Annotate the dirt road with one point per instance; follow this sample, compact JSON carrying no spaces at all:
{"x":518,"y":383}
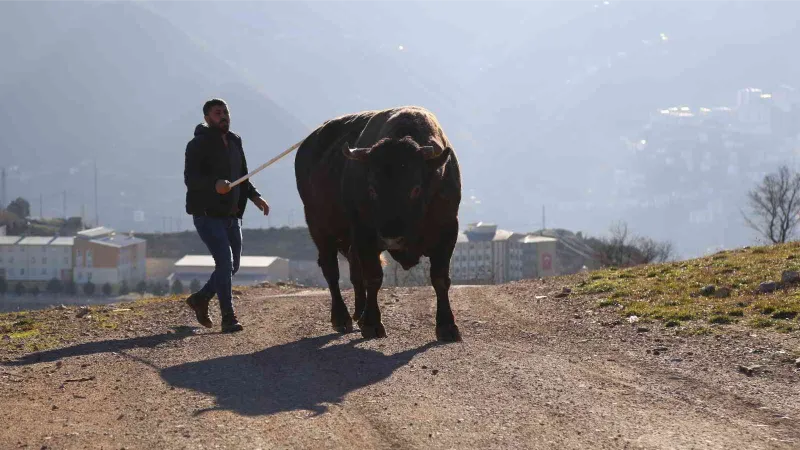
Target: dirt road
{"x":531,"y":373}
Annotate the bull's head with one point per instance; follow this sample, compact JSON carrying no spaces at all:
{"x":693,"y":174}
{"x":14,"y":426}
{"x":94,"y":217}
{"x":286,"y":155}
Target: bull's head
{"x":399,"y":174}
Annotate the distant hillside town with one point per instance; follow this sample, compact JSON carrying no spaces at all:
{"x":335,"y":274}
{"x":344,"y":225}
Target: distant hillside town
{"x":63,"y":256}
{"x":101,"y":261}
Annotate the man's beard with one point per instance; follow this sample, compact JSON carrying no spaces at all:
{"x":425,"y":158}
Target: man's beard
{"x":221,"y":125}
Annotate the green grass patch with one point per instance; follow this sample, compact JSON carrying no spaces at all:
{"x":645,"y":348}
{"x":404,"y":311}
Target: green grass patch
{"x":736,"y":312}
{"x":761,"y":322}
{"x":599,"y":287}
{"x":720,"y":320}
{"x":670,"y":292}
{"x":784,"y":314}
{"x":17,"y":326}
{"x":619,"y":294}
{"x":24,"y":334}
{"x":607,"y":302}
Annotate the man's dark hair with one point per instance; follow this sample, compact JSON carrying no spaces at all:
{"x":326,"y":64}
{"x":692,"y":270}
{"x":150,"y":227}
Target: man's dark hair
{"x":212,"y":103}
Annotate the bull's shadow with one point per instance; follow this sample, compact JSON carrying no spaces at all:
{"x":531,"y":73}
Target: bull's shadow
{"x":301,"y":375}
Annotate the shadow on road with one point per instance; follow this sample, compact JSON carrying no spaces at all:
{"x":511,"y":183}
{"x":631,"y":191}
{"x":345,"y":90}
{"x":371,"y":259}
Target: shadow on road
{"x":300,"y":375}
{"x":107,"y":346}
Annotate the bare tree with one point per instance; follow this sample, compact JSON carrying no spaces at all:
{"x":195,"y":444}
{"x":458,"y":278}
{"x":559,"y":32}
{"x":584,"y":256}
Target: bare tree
{"x":618,"y":251}
{"x":621,"y":249}
{"x":651,"y":251}
{"x":775,"y":205}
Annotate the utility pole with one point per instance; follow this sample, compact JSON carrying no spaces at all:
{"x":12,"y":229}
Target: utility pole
{"x":96,"y":212}
{"x":41,"y":209}
{"x":544,"y":224}
{"x":65,"y":205}
{"x":3,"y":203}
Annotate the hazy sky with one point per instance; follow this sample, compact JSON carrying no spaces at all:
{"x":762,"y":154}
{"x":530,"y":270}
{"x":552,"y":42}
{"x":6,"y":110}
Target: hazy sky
{"x":542,"y":100}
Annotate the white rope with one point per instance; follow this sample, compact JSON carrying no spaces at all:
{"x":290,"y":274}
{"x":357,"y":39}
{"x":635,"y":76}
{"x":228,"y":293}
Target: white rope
{"x":263,"y":166}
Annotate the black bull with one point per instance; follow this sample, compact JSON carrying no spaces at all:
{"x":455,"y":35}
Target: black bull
{"x":398,"y":189}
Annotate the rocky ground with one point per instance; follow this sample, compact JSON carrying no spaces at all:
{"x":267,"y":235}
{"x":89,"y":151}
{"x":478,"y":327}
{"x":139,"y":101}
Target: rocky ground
{"x":537,"y":369}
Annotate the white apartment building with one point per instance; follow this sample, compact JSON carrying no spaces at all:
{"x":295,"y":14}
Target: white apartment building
{"x":486,"y":254}
{"x":35,"y":258}
{"x":98,"y":255}
{"x":7,"y":253}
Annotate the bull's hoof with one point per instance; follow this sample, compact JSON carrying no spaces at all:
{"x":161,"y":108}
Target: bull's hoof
{"x":448,"y":333}
{"x":346,"y":329}
{"x":343,"y":326}
{"x":373,"y":331}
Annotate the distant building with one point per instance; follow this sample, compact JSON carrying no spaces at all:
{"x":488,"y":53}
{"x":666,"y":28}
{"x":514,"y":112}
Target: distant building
{"x":486,"y":254}
{"x":35,"y":258}
{"x":8,"y":255}
{"x":103,"y":256}
{"x":308,"y":273}
{"x":539,"y":258}
{"x":754,"y":110}
{"x":158,"y":269}
{"x":395,"y":275}
{"x":98,"y":255}
{"x":2,"y":230}
{"x":252,"y":269}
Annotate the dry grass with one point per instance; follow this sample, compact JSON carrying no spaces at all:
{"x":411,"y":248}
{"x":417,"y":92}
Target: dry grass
{"x":671,"y":292}
{"x":43,"y":329}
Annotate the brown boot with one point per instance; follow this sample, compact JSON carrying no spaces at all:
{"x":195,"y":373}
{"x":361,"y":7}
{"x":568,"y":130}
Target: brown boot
{"x":199,"y":303}
{"x":230,"y":324}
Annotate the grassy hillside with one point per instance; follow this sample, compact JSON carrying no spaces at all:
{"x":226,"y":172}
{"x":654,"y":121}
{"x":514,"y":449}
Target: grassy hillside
{"x":757,"y":287}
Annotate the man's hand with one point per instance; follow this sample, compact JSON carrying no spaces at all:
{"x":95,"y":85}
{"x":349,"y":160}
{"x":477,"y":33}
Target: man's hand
{"x":223,"y":186}
{"x":261,"y":204}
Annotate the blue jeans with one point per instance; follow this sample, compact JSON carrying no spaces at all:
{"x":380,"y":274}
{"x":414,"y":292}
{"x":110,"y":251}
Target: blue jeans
{"x":223,"y":237}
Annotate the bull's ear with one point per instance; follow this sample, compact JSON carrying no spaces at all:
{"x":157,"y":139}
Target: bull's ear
{"x":356,"y":154}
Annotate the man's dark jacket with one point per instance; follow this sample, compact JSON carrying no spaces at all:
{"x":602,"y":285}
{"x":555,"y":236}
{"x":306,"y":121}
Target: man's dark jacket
{"x":207,"y":161}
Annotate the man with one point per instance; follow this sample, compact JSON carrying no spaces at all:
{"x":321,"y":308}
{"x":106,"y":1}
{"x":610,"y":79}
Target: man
{"x":215,"y":158}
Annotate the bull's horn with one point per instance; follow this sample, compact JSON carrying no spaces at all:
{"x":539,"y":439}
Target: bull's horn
{"x":431,"y":151}
{"x":356,"y":154}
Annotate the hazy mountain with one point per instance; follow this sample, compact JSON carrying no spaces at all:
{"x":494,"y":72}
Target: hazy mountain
{"x":19,"y":19}
{"x":126,"y":88}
